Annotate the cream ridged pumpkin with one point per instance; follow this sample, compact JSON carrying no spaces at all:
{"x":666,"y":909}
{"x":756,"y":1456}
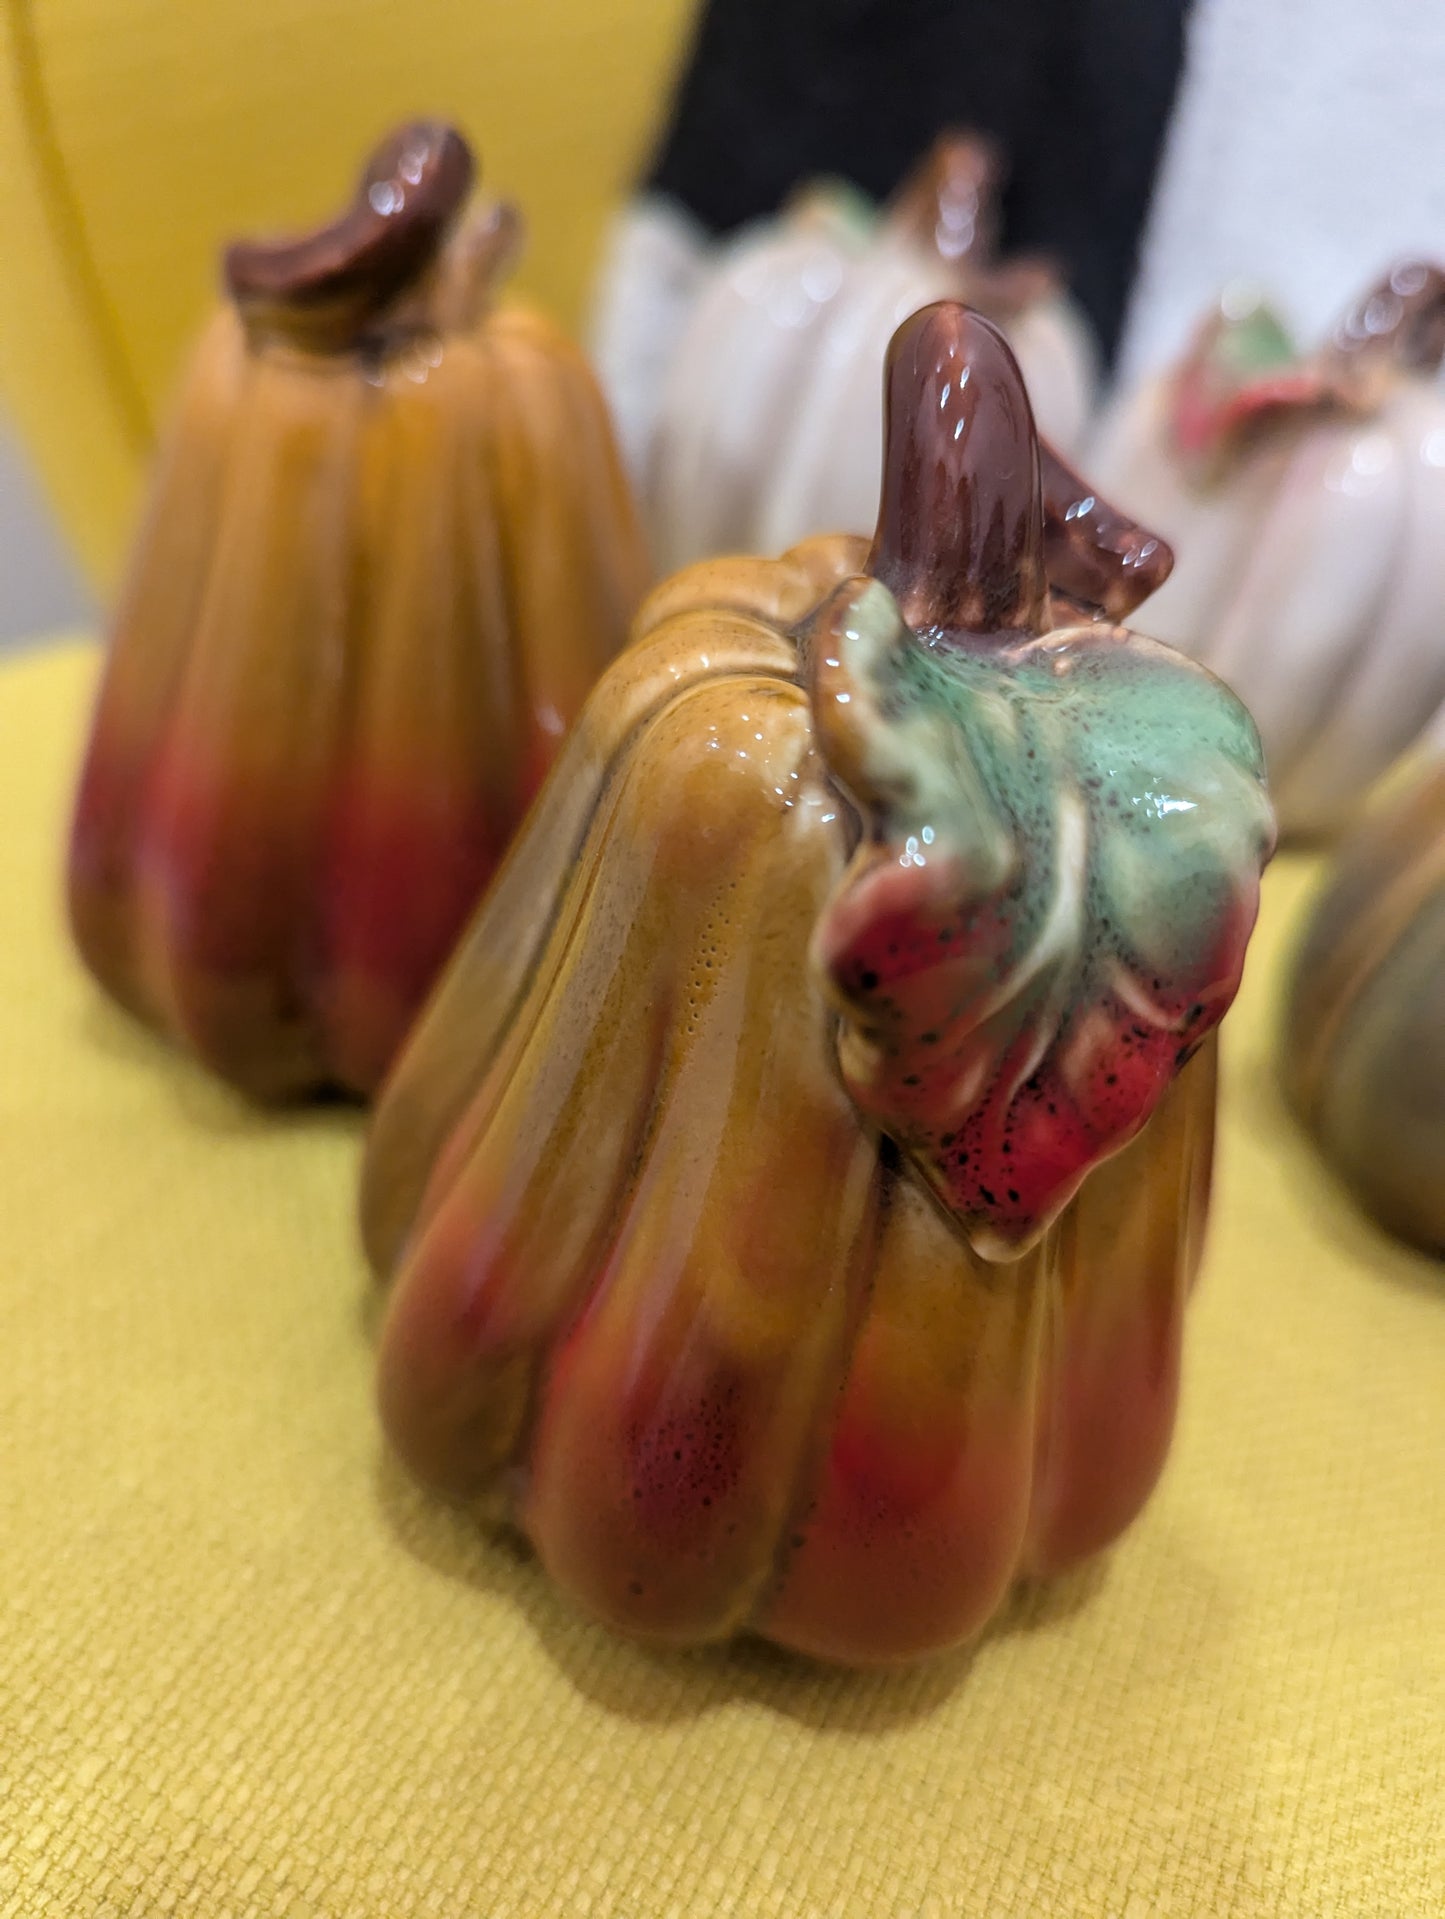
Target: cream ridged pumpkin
{"x":768,"y":406}
{"x":1305,"y":498}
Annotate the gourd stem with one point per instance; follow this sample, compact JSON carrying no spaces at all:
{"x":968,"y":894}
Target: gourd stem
{"x":979,"y":518}
{"x":950,"y":199}
{"x":327,"y":289}
{"x":1096,"y":556}
{"x":1401,"y":318}
{"x":949,"y":205}
{"x":960,"y":536}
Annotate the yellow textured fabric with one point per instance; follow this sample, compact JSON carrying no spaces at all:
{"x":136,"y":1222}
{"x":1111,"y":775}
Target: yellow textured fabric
{"x":246,"y":1670}
{"x":134,"y":137}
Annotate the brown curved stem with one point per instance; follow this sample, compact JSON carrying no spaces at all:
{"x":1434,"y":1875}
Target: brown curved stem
{"x":1401,"y":318}
{"x":950,"y":199}
{"x":960,"y":540}
{"x":950,"y":203}
{"x":1096,"y":557}
{"x":327,"y":288}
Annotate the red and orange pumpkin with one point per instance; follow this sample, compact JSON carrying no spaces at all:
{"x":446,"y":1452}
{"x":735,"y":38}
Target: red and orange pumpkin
{"x":790,"y":1195}
{"x":389,"y":549}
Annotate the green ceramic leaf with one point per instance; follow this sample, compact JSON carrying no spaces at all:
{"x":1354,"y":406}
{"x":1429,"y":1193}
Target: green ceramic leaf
{"x":1063,"y":838}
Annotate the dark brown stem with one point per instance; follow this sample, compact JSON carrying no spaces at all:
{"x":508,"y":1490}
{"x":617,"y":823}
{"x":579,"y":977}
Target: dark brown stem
{"x":1401,"y":318}
{"x":960,"y":537}
{"x":950,"y":203}
{"x":1096,"y":556}
{"x":328,"y":288}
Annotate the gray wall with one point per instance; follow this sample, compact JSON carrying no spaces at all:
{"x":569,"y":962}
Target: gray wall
{"x":41,"y":589}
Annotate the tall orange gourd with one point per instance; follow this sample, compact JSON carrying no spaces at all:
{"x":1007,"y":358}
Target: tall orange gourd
{"x":389,"y":549}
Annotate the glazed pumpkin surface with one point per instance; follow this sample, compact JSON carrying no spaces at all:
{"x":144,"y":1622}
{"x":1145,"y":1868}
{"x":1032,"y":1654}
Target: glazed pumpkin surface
{"x":766,"y":419}
{"x":1364,"y":1032}
{"x":792,"y":1189}
{"x":1304,"y":492}
{"x":389,"y":549}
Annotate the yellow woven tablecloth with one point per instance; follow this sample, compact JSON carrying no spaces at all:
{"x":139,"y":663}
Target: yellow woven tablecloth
{"x":245,"y":1669}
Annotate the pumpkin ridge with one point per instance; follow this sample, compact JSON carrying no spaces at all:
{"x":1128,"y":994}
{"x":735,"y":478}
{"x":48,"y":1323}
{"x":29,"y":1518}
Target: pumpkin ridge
{"x":1350,"y":739}
{"x":135,"y":704}
{"x":692,"y":1311}
{"x":503,"y":1482}
{"x":417,"y":778}
{"x":556,"y":941}
{"x":812,"y":1461}
{"x":226,"y":935}
{"x":495,"y":962}
{"x":1359,"y":952}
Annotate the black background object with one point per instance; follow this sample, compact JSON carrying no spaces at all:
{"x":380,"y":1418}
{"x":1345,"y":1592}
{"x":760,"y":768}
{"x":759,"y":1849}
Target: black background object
{"x":1077,"y":92}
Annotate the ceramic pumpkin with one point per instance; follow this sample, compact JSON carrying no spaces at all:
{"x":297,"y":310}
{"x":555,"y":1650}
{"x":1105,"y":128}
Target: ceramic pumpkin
{"x":791,"y":1192}
{"x":1364,"y":1034}
{"x":769,"y":413}
{"x":655,"y":261}
{"x":1305,"y":497}
{"x":389,"y":549}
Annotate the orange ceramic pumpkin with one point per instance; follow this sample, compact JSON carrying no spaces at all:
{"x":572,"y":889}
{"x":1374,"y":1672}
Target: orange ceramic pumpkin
{"x":390,"y":548}
{"x":788,"y":1194}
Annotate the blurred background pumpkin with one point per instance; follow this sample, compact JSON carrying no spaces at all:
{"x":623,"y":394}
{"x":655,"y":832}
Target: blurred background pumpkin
{"x":134,"y":138}
{"x":389,"y":548}
{"x":1363,"y":1051}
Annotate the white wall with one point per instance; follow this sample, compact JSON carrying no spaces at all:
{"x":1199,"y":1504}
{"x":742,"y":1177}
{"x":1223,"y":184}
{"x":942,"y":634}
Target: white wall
{"x":1305,"y":156}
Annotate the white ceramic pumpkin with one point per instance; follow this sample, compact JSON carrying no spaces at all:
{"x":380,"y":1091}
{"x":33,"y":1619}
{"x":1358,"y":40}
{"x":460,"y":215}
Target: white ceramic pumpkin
{"x":1304,"y":496}
{"x":653,"y":266}
{"x":769,"y":417}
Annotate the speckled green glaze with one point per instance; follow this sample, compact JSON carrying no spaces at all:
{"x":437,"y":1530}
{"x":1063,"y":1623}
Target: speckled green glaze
{"x":837,"y":203}
{"x":1051,"y":903}
{"x":1243,"y":369}
{"x":1249,"y":342}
